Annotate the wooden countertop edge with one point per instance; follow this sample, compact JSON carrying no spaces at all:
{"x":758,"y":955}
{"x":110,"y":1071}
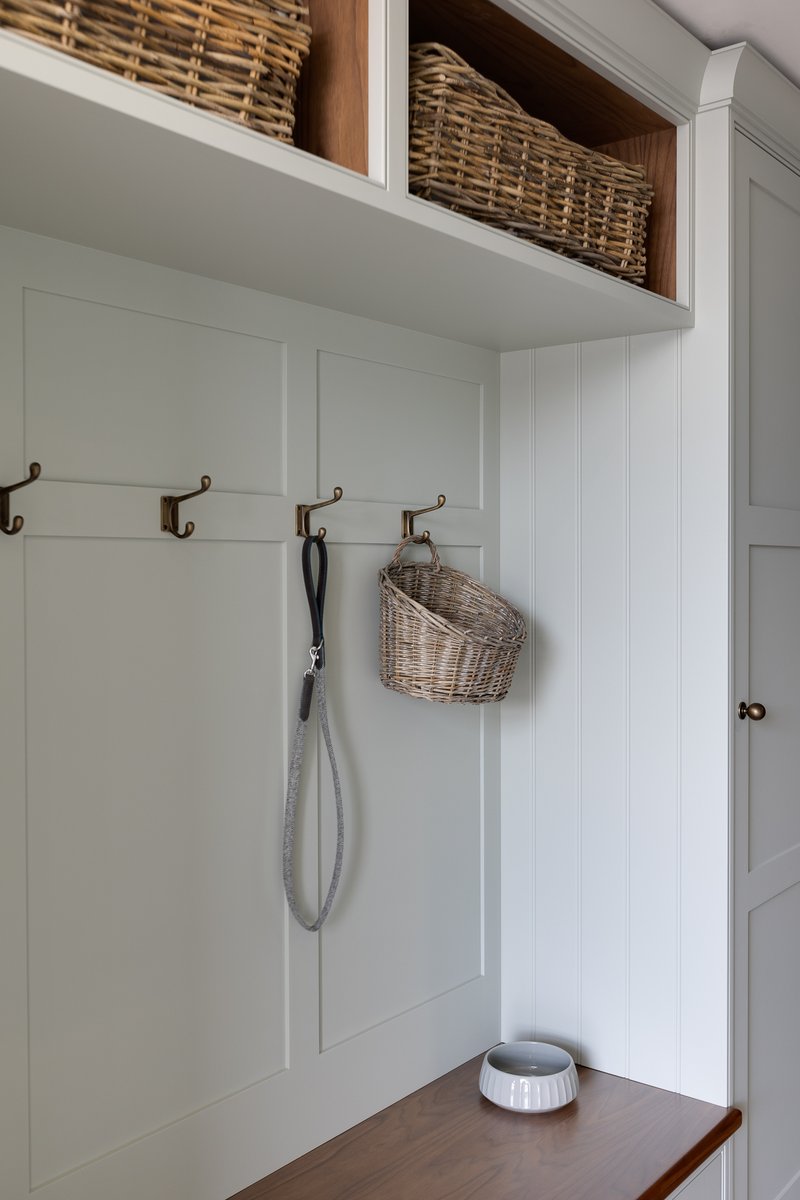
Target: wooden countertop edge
{"x":409,"y":1147}
{"x":699,"y":1154}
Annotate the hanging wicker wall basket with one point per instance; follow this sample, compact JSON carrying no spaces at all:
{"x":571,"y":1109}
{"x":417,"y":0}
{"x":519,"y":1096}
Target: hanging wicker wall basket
{"x":236,"y":59}
{"x":443,"y":635}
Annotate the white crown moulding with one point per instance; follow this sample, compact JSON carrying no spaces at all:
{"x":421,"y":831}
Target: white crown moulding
{"x":642,"y":48}
{"x":740,"y":77}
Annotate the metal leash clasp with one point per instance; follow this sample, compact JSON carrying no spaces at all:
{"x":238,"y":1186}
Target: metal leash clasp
{"x":311,"y":671}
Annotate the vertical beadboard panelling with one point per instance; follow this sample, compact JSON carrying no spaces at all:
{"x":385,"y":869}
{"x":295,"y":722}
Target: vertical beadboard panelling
{"x":654,"y":680}
{"x":629,"y":930}
{"x":556,"y":788}
{"x":517,"y":712}
{"x":603,"y":704}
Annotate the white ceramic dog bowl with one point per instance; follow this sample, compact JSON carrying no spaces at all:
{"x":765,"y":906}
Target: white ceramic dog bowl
{"x":528,"y":1077}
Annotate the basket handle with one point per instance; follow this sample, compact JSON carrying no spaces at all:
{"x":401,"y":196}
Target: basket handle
{"x":419,"y":539}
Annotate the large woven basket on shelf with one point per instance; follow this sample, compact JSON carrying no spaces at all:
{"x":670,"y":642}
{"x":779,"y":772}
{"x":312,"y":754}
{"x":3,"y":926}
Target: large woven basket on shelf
{"x":473,"y":149}
{"x":237,"y":59}
{"x":443,"y":635}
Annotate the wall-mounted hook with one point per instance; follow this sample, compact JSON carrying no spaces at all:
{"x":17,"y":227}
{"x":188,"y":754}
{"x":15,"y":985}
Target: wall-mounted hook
{"x":409,"y":514}
{"x":6,"y":524}
{"x":169,"y":510}
{"x":302,"y":511}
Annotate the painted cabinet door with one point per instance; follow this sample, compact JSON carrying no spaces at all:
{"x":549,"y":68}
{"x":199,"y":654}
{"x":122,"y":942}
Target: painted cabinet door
{"x":706,"y":1184}
{"x":767,"y":671}
{"x":165,"y":1028}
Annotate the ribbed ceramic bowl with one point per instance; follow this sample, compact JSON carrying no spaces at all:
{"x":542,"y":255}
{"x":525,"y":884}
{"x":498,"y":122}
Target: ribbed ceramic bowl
{"x":528,"y":1077}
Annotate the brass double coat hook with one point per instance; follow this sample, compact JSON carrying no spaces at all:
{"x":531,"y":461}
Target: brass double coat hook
{"x":410,"y":514}
{"x":170,"y":516}
{"x":302,"y":512}
{"x":6,"y":524}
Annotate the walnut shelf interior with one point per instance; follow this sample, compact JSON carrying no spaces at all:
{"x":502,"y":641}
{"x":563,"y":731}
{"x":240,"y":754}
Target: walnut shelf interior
{"x":333,"y":92}
{"x":552,"y":85}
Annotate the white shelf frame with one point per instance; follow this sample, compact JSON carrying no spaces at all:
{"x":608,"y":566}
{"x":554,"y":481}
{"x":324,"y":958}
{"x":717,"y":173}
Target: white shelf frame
{"x":91,"y":158}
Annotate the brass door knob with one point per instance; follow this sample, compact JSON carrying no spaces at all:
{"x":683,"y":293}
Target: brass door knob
{"x":756,"y":712}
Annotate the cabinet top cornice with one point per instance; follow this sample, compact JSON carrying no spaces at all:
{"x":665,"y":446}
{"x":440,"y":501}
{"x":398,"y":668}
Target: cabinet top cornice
{"x":764,"y":102}
{"x":640,"y":43}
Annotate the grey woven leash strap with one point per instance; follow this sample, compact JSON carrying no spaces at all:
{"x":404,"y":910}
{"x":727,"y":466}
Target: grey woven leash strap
{"x":295,"y":765}
{"x":314,"y":674}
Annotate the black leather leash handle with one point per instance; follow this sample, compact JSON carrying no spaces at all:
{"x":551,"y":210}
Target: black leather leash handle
{"x":316,"y":608}
{"x":316,"y":599}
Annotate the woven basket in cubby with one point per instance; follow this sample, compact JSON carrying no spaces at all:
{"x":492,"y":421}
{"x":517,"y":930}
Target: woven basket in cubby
{"x":239,"y":60}
{"x":473,"y":149}
{"x":443,"y":635}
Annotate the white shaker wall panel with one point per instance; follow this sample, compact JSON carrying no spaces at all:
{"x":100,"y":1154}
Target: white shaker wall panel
{"x":156,"y":936}
{"x":606,"y":791}
{"x":774,"y":349}
{"x":156,"y":393}
{"x":180,"y":1035}
{"x":399,"y":434}
{"x":408,"y":924}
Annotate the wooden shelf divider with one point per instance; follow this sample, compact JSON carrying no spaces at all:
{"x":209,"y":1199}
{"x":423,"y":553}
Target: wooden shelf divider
{"x":333,"y":93}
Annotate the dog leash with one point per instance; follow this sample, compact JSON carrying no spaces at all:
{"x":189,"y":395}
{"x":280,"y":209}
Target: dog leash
{"x":315,"y":673}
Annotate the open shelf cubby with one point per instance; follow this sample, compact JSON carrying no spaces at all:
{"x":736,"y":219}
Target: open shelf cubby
{"x":584,"y":106}
{"x":80,"y":158}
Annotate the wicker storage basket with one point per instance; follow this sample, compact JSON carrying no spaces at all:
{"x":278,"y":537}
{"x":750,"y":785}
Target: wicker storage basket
{"x":473,"y":149}
{"x":240,"y":60}
{"x":443,"y":635}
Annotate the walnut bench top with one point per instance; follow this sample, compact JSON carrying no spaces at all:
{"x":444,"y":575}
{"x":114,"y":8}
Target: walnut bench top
{"x":618,"y":1140}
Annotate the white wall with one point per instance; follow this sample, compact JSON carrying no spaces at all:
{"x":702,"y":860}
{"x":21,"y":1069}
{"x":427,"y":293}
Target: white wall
{"x":614,"y":796}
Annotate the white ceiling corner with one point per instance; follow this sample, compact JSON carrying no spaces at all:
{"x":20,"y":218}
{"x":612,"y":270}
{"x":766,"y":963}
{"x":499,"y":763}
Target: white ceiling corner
{"x":771,"y":26}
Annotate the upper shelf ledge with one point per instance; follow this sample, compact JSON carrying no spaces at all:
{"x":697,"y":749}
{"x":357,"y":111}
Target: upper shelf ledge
{"x":93,"y":159}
